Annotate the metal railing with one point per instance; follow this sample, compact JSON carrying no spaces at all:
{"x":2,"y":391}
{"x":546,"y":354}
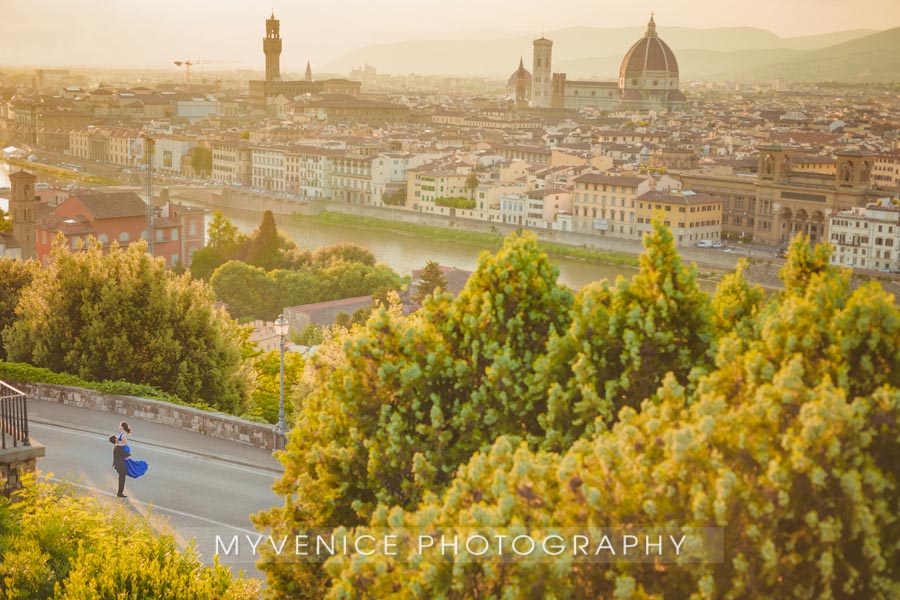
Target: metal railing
{"x":13,"y":417}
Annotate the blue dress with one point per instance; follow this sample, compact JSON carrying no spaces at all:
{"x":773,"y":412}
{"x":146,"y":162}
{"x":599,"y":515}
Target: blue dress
{"x":133,"y":468}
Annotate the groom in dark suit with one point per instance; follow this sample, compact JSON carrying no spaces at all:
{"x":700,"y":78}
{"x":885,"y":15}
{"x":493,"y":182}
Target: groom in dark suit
{"x":119,"y":457}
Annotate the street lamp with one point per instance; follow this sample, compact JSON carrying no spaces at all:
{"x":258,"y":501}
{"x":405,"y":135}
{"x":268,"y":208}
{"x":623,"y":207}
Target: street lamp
{"x":281,"y":330}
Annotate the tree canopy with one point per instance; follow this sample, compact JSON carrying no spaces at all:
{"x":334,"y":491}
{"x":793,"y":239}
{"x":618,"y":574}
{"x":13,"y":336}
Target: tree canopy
{"x":120,"y":315}
{"x":644,"y":402}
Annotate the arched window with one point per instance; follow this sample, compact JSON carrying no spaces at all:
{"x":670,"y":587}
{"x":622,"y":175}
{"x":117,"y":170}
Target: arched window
{"x":124,"y":237}
{"x":103,"y":238}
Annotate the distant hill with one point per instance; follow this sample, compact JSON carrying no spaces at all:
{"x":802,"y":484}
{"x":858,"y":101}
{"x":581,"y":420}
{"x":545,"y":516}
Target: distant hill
{"x":874,"y":57}
{"x":692,"y":64}
{"x":498,"y":56}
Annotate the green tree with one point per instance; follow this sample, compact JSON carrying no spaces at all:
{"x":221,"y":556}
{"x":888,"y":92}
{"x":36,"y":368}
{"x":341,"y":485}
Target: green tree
{"x":201,"y":161}
{"x":395,"y":198}
{"x":223,"y":243}
{"x":310,"y":336}
{"x":5,"y":222}
{"x":432,"y":279}
{"x":342,"y":251}
{"x":472,"y":184}
{"x":622,"y":341}
{"x":264,"y":246}
{"x":788,"y":444}
{"x":122,"y":316}
{"x":264,"y":400}
{"x":247,"y":291}
{"x":15,"y":275}
{"x":736,"y":305}
{"x":222,"y":235}
{"x":393,"y":408}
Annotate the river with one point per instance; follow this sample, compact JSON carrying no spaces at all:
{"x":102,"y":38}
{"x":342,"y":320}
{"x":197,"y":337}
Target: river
{"x":403,"y":252}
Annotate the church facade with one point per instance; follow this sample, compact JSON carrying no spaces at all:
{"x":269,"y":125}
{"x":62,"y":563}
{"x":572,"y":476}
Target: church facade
{"x":648,"y":80}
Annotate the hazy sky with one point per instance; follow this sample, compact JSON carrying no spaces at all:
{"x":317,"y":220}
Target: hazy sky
{"x":156,"y":32}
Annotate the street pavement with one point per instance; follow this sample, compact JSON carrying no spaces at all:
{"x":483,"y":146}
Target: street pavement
{"x":197,"y":487}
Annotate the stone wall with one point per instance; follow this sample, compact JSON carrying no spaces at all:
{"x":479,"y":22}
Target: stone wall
{"x":218,"y":425}
{"x":16,"y":463}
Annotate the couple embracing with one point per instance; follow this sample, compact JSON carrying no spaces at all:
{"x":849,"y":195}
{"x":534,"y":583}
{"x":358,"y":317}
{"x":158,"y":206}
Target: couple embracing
{"x":122,"y":461}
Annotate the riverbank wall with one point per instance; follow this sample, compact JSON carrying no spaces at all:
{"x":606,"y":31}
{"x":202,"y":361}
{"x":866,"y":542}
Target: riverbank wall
{"x":231,"y":198}
{"x":762,"y":268}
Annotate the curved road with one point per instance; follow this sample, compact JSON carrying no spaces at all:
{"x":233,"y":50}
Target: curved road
{"x":197,"y":487}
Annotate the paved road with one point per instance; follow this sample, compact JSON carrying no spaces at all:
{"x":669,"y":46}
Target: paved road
{"x":199,"y":486}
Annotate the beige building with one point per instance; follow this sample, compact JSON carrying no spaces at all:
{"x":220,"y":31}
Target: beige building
{"x":428,"y":183}
{"x":268,"y":168}
{"x":108,"y":145}
{"x":606,"y":204}
{"x":867,"y":238}
{"x":351,"y":177}
{"x":692,"y":217}
{"x":886,"y":172}
{"x":781,"y":201}
{"x":232,"y":162}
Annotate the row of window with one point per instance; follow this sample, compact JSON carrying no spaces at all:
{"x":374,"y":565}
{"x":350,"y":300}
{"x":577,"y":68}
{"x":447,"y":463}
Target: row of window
{"x":612,"y":188}
{"x":593,"y":198}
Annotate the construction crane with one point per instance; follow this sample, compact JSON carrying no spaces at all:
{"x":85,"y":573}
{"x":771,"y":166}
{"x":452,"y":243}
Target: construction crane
{"x":190,"y":63}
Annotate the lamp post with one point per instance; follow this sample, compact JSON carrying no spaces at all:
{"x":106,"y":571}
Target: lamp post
{"x":281,"y":329}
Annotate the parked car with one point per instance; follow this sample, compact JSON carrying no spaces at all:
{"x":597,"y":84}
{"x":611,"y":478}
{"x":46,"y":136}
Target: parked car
{"x":718,"y":245}
{"x":705,"y":244}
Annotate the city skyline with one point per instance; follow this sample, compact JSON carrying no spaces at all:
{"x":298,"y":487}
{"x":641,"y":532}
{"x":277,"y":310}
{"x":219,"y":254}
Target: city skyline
{"x":43,"y":33}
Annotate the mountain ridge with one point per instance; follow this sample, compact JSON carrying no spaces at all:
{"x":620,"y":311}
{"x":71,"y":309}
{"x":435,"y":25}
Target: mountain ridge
{"x":590,"y":51}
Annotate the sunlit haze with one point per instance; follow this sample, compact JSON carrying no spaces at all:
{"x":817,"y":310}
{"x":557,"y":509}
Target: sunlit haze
{"x":113,"y":33}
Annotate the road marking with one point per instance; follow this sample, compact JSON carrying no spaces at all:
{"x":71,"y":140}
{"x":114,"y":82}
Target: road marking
{"x":260,"y":471}
{"x":153,"y":506}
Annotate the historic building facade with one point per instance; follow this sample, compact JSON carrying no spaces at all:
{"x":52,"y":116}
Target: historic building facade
{"x":273,"y":86}
{"x":781,"y":201}
{"x":648,"y":80}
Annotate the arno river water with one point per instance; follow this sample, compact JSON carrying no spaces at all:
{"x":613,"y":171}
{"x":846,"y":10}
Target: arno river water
{"x":404,"y":253}
{"x":401,"y":252}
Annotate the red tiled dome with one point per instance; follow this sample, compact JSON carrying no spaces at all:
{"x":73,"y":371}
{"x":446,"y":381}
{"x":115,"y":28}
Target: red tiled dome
{"x":520,"y":72}
{"x":649,"y":54}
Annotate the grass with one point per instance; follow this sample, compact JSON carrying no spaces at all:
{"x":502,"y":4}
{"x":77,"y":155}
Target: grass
{"x":488,"y":241}
{"x":61,"y":173}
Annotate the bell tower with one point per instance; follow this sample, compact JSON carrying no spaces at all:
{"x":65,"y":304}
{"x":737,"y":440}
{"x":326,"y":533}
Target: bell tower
{"x":774,"y":163}
{"x":272,"y":49}
{"x":853,"y":169}
{"x":22,"y":211}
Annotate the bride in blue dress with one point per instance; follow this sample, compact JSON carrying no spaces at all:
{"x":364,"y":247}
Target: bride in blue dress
{"x":134,"y":468}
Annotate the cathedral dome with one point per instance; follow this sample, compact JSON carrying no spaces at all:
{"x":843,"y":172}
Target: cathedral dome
{"x":649,"y":63}
{"x":521,"y":74}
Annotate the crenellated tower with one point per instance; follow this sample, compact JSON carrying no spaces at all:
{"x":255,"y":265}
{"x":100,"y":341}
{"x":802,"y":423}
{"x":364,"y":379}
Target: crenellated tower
{"x":272,"y":49}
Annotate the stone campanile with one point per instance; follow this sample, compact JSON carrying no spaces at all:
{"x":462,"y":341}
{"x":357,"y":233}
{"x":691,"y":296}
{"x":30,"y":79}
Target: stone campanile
{"x":542,"y":90}
{"x":272,"y":49}
{"x":22,"y":212}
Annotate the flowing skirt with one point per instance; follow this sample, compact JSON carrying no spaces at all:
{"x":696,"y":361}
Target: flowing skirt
{"x":134,"y":468}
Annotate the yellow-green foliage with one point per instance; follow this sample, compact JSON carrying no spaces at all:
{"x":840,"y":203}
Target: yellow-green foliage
{"x":790,"y":444}
{"x":55,"y":543}
{"x":118,"y":314}
{"x":775,"y":420}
